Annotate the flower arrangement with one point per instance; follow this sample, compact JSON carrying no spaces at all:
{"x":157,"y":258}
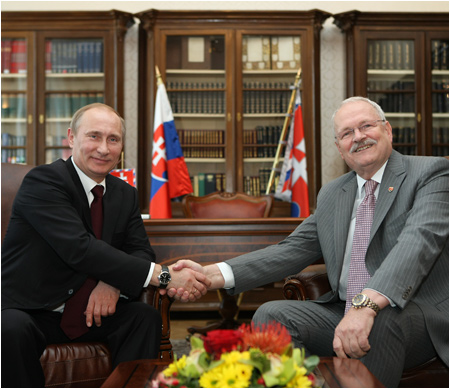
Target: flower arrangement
{"x":249,"y":357}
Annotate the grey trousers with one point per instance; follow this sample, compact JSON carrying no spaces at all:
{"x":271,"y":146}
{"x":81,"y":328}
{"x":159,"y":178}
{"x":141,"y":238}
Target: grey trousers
{"x":398,"y":340}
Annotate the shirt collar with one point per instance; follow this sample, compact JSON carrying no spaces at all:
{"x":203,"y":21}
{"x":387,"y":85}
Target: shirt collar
{"x":87,"y":182}
{"x":376,"y":177}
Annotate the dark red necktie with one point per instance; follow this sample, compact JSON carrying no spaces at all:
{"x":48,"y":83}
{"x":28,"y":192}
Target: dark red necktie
{"x":73,"y":321}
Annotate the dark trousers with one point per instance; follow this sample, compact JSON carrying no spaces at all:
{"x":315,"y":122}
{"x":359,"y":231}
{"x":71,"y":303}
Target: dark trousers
{"x":398,"y":340}
{"x":133,"y":332}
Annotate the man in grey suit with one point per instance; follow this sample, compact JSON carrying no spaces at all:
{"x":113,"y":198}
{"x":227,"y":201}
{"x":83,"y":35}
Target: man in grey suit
{"x":403,"y":320}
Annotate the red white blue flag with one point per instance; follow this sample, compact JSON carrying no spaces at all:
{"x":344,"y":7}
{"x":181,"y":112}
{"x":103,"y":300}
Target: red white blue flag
{"x":127,"y":175}
{"x":170,"y":176}
{"x":293,"y":184}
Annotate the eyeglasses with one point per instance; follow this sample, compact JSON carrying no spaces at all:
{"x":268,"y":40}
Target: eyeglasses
{"x":349,"y":133}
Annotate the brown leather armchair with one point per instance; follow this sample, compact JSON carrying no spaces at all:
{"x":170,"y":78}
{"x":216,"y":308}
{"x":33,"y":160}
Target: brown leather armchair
{"x":312,"y":282}
{"x":79,"y":364}
{"x":225,"y":205}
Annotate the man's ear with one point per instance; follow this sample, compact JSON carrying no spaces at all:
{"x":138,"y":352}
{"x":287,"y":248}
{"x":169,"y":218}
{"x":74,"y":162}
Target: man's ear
{"x":70,"y":136}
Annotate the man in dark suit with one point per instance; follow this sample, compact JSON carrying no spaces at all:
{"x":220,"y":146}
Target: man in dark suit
{"x":401,"y":316}
{"x":50,"y":250}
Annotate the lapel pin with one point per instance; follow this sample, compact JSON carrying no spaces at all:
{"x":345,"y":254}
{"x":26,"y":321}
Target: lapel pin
{"x":391,"y":188}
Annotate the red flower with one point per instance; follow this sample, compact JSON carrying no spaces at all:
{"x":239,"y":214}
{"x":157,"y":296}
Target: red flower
{"x":273,"y":337}
{"x":220,"y":341}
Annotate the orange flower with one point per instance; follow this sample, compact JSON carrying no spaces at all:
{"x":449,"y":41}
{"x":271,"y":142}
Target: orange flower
{"x":270,"y":338}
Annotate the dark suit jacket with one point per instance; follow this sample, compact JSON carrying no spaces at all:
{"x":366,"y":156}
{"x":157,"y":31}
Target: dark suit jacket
{"x":50,"y":249}
{"x":407,"y":255}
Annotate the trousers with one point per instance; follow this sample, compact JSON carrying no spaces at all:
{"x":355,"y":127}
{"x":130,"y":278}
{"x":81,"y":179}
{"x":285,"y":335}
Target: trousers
{"x":398,"y":340}
{"x":132,"y":332}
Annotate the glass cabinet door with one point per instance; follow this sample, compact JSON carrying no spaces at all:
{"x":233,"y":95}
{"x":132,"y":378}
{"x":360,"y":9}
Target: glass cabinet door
{"x":439,"y":97}
{"x":196,"y":87}
{"x":269,"y":67}
{"x":14,"y":100}
{"x":74,"y":77}
{"x":391,"y":82}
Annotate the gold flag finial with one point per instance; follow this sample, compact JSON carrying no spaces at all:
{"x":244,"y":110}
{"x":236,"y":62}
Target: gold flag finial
{"x":158,"y":76}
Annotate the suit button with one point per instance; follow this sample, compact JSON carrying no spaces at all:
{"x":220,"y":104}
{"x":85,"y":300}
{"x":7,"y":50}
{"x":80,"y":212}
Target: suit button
{"x":70,"y":291}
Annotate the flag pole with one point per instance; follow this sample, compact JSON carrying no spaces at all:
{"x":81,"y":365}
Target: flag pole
{"x":284,"y":131}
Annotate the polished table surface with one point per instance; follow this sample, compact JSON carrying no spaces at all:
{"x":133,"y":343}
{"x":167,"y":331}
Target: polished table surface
{"x":336,"y":372}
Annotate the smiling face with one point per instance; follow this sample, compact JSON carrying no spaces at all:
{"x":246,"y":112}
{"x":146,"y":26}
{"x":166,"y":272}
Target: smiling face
{"x":97,"y":143}
{"x":364,"y":152}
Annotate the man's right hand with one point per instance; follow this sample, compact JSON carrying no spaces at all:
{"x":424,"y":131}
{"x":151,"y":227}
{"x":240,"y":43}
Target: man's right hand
{"x":212,"y":272}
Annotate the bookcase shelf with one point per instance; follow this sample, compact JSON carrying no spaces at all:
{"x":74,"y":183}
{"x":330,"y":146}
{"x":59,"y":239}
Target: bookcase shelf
{"x":49,"y":71}
{"x":401,"y":61}
{"x":256,"y":89}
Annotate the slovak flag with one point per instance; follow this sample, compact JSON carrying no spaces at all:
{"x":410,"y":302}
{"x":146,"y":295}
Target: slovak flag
{"x":170,"y":177}
{"x":293,"y":184}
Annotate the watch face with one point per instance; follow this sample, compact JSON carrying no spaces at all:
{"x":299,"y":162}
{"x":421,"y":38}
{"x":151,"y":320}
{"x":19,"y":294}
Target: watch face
{"x":164,"y":278}
{"x":358,"y":299}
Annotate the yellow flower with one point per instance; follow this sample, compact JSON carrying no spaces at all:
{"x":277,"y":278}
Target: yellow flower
{"x":300,"y":380}
{"x":235,"y":376}
{"x":210,"y":379}
{"x":175,"y":367}
{"x":235,"y":356}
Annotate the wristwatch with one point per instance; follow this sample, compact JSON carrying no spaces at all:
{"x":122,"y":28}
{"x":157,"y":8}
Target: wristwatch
{"x":361,"y":300}
{"x":164,"y":277}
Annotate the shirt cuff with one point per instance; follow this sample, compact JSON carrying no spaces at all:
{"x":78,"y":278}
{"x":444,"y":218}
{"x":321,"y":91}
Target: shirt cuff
{"x":150,"y":273}
{"x":227,"y":274}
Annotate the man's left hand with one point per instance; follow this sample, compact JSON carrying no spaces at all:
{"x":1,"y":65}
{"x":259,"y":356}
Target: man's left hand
{"x":102,"y":302}
{"x":351,"y":337}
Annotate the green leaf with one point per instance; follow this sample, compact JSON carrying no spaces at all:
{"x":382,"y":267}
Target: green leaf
{"x":310,"y":363}
{"x":196,"y":343}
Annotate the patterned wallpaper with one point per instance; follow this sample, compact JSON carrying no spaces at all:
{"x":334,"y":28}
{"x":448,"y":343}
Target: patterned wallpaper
{"x":332,"y":93}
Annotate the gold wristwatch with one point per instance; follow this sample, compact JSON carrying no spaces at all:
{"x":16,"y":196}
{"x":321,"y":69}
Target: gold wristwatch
{"x":361,"y":300}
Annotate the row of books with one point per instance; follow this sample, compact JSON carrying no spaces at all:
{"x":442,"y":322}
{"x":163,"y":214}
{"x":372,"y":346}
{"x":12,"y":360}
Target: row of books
{"x":14,"y":55}
{"x":206,"y":183}
{"x":202,"y":152}
{"x":266,"y":101}
{"x":201,"y":137}
{"x":439,"y":54}
{"x":14,"y":106}
{"x":206,"y":102}
{"x":257,"y":185}
{"x":440,"y":151}
{"x":439,"y":135}
{"x":260,"y":152}
{"x":14,"y":156}
{"x":403,"y":135}
{"x":171,"y":85}
{"x":64,"y":105}
{"x":263,"y":135}
{"x":390,"y":54}
{"x":394,"y":102}
{"x":377,"y":85}
{"x":13,"y":140}
{"x":266,"y":85}
{"x":73,"y":56}
{"x":439,"y":102}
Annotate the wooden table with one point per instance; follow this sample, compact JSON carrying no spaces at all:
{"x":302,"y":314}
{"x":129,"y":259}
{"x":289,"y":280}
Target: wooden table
{"x":336,"y":372}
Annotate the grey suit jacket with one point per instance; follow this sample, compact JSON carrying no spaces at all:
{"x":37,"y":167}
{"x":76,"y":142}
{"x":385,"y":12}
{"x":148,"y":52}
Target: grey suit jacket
{"x":407,"y":255}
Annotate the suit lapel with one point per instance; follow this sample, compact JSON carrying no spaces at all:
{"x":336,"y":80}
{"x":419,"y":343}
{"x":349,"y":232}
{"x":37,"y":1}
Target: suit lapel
{"x":85,"y":211}
{"x":111,"y":205}
{"x":393,"y":177}
{"x":345,"y":200}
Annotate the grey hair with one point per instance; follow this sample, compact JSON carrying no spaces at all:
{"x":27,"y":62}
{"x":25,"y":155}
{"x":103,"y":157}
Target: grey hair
{"x":353,"y":99}
{"x":77,"y":116}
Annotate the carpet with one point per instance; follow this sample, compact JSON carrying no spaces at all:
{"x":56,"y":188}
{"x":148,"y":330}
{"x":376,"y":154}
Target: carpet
{"x":180,"y":347}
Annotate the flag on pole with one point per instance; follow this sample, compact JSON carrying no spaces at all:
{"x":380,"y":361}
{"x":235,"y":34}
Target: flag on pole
{"x":170,"y":177}
{"x":293,"y":184}
{"x":127,"y":175}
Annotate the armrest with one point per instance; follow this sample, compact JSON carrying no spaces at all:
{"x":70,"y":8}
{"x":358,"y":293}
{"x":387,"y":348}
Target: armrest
{"x":309,"y":284}
{"x":150,"y":295}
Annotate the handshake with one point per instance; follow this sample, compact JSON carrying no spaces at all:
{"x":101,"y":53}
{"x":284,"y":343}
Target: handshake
{"x":190,"y":280}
